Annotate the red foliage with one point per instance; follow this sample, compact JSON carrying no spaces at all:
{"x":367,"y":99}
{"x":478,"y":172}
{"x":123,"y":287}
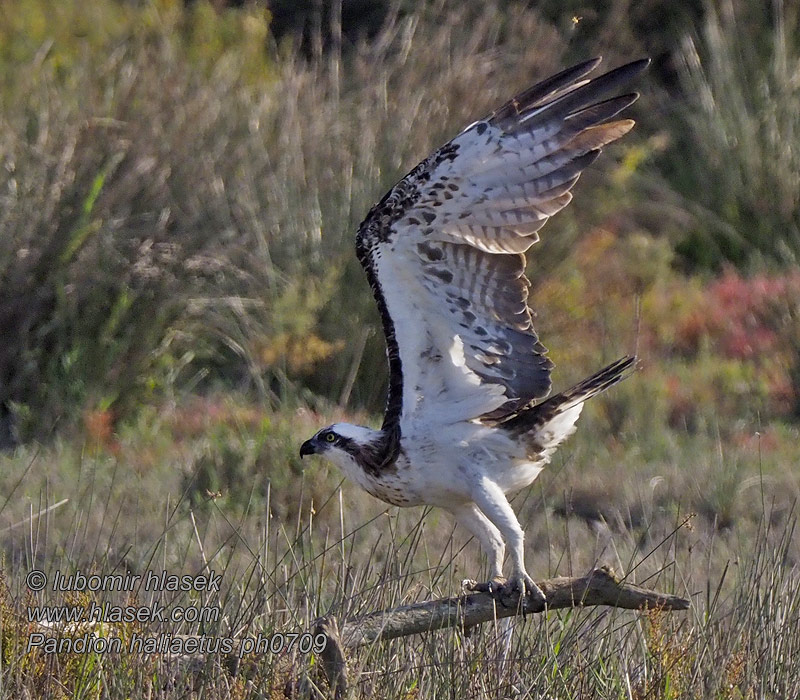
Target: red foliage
{"x":739,"y":316}
{"x":200,"y":415}
{"x":100,"y":426}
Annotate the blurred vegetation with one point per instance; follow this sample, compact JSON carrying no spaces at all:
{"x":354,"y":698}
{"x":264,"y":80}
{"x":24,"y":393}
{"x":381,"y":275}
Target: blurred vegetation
{"x":737,"y":164}
{"x":180,"y":187}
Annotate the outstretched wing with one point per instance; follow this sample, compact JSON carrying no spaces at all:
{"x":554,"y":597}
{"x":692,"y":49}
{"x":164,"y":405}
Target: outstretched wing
{"x":444,"y":249}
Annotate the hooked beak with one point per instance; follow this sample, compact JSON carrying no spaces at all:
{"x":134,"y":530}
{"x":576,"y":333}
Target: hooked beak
{"x":307,"y":448}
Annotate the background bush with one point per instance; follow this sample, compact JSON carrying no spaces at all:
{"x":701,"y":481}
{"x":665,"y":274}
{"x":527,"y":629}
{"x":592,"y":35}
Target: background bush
{"x":180,"y":190}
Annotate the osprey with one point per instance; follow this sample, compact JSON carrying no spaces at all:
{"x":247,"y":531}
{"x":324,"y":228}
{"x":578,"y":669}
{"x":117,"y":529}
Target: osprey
{"x":465,"y":424}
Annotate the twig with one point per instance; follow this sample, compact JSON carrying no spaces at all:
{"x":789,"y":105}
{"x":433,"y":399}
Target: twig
{"x":333,"y":659}
{"x":33,"y":517}
{"x":358,"y":355}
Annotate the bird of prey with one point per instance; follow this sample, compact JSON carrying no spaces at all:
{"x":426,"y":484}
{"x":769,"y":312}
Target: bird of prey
{"x":466,"y":421}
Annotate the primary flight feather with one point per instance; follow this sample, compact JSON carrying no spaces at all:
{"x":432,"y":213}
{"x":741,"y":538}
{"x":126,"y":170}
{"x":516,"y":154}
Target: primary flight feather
{"x":465,"y":424}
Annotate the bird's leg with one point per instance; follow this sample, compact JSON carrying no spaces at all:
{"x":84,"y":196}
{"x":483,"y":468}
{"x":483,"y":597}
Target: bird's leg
{"x":493,"y":502}
{"x":470,"y":516}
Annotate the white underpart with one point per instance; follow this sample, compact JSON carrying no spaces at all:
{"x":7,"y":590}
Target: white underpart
{"x":468,"y":469}
{"x":553,"y":433}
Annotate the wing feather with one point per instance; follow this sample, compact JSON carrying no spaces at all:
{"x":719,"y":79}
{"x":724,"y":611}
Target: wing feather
{"x":444,"y":249}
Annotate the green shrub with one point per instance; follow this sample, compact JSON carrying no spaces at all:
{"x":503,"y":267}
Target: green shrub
{"x":179,"y":211}
{"x":735,"y":161}
{"x":114,"y":145}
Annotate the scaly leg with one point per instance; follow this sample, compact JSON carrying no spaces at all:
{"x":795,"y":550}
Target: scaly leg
{"x":493,"y":502}
{"x":471,"y":517}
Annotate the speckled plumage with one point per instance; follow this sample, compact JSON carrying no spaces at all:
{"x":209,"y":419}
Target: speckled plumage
{"x":444,"y":254}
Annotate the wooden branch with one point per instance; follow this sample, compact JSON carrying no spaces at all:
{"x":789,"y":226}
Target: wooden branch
{"x":598,"y":587}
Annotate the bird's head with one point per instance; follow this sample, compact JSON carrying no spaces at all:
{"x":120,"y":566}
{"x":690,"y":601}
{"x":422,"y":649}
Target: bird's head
{"x":342,"y":443}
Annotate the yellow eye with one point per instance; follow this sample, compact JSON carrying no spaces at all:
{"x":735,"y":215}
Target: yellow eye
{"x":330,"y":437}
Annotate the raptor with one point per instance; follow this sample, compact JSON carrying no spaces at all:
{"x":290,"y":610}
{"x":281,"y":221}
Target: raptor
{"x":467,"y":421}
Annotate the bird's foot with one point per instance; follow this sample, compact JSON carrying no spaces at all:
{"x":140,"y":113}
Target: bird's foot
{"x":508,"y":591}
{"x":503,"y":589}
{"x":527,"y":588}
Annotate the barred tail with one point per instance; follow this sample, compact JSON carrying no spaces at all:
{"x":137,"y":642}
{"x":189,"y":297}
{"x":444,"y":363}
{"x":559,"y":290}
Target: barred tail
{"x":546,"y":412}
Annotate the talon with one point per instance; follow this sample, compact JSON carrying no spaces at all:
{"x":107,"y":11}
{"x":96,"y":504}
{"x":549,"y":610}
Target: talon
{"x":496,"y":585}
{"x":536,"y":594}
{"x":527,"y":588}
{"x":472,"y":586}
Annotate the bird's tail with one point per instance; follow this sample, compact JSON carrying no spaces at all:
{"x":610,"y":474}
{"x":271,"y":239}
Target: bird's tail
{"x":546,"y":414}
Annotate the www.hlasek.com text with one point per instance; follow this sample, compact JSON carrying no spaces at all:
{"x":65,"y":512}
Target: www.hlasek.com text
{"x":96,"y":612}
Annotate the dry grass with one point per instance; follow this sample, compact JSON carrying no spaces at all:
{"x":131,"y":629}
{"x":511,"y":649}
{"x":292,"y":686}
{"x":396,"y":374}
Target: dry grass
{"x":712,"y":522}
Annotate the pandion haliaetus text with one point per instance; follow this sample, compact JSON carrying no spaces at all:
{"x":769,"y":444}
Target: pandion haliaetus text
{"x":465,"y":424}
